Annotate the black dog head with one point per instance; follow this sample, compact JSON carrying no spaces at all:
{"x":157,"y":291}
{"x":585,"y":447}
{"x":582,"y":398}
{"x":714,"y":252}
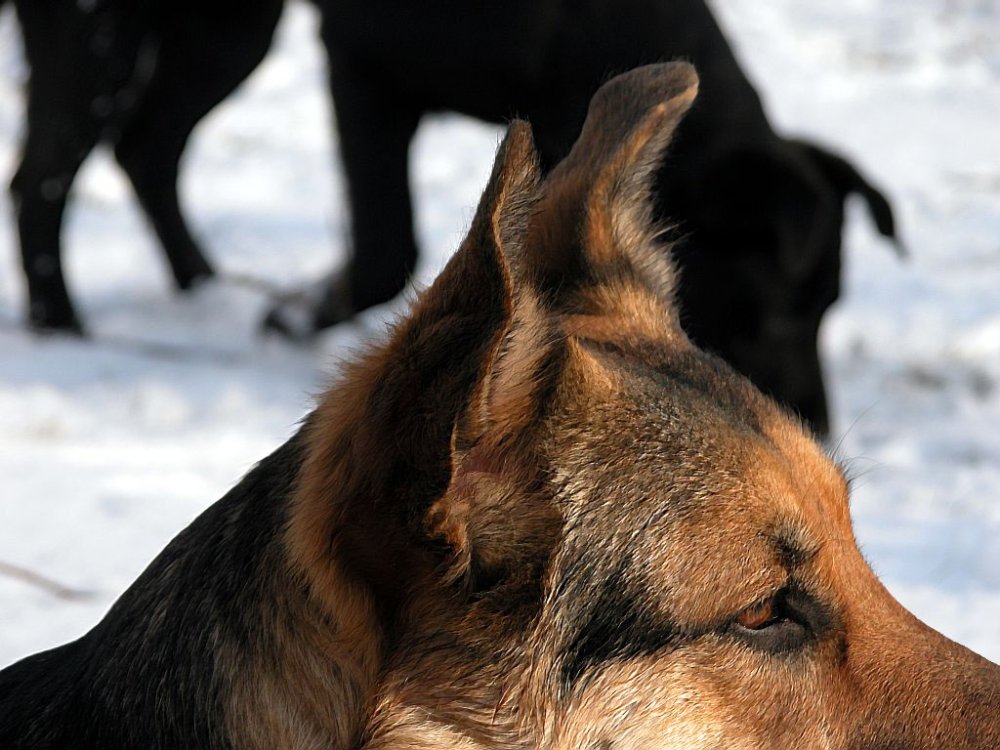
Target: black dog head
{"x":761,"y":260}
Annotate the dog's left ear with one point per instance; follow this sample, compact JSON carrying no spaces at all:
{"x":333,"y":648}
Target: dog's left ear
{"x":590,"y":250}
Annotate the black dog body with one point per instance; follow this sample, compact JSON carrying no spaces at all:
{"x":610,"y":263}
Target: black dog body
{"x":141,"y":75}
{"x":757,"y":301}
{"x":138,"y":75}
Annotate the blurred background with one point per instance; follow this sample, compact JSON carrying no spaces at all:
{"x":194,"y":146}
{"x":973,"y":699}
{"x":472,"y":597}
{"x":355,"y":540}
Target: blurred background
{"x":109,"y":447}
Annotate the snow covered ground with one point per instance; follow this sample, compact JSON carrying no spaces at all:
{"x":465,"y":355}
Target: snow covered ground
{"x":106,"y":453}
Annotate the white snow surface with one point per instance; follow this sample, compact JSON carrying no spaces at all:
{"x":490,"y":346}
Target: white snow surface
{"x":106,"y":453}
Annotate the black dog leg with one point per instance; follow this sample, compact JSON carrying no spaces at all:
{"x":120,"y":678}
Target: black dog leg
{"x":52,"y":156}
{"x":82,"y":58}
{"x":375,"y":129}
{"x":149,"y":151}
{"x":191,"y":77}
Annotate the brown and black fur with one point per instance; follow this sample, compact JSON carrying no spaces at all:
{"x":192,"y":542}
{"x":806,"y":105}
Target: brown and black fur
{"x":536,"y":517}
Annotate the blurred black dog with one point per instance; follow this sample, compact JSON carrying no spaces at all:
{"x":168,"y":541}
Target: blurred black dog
{"x":762,"y":215}
{"x":138,"y":74}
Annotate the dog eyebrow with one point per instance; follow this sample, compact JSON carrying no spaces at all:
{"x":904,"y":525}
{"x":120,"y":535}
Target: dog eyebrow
{"x":790,"y":548}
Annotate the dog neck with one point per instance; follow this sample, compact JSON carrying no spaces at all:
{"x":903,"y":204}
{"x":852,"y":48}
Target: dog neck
{"x":306,"y":681}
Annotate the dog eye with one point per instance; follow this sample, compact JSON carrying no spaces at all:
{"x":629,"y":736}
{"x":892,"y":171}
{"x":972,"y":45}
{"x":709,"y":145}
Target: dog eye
{"x":759,"y":616}
{"x":773,"y":625}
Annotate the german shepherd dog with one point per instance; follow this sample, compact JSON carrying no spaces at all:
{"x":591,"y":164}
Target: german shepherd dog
{"x":536,"y":517}
{"x":138,"y":75}
{"x":759,"y":215}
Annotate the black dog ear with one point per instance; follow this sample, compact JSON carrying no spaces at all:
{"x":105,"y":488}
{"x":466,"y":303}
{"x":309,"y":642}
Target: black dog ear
{"x":845,"y":177}
{"x":786,"y":197}
{"x":768,"y":199}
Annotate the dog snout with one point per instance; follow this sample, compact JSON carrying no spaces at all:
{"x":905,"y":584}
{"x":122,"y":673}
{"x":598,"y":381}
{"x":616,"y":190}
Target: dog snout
{"x":925,"y":691}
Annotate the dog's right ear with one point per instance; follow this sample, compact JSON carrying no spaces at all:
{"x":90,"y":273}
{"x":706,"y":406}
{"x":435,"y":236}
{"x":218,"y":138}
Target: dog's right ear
{"x":379,"y":447}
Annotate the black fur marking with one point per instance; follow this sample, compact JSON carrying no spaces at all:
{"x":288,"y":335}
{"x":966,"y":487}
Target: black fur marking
{"x":547,"y":378}
{"x":618,"y":626}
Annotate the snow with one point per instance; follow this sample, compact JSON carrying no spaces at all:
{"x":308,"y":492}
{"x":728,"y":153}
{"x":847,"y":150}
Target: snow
{"x":106,"y":452}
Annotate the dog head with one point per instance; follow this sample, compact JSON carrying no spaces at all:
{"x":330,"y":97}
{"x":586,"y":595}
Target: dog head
{"x":570,"y":528}
{"x":761,"y":262}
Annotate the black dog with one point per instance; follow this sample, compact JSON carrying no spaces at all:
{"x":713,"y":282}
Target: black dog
{"x":138,"y":74}
{"x":762,"y":214}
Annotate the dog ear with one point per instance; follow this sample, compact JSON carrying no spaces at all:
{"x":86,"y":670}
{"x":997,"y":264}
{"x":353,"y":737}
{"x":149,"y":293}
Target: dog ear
{"x":487,"y":519}
{"x":845,"y":177}
{"x":477,"y":280}
{"x":768,"y":200}
{"x":461,"y":320}
{"x":595,"y":217}
{"x":378,"y":447}
{"x":785,"y":198}
{"x":592,"y":229}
